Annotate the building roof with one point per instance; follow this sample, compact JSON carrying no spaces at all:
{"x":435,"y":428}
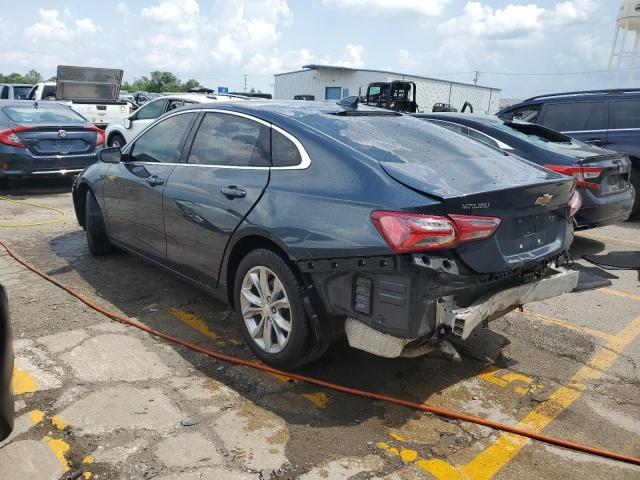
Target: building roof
{"x":315,"y":66}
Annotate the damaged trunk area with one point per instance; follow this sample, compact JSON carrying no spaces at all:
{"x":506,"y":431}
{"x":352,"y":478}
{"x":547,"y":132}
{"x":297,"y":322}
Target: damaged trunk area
{"x":407,"y":305}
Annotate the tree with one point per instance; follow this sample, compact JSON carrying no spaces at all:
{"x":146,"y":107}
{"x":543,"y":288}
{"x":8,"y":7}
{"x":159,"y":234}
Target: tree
{"x":31,"y":77}
{"x":159,"y":82}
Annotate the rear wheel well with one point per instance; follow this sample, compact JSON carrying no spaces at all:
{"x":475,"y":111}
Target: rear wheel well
{"x":113,"y":134}
{"x":242,"y":248}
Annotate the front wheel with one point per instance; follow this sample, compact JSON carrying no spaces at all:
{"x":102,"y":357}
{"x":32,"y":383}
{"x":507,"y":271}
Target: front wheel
{"x":97,"y":239}
{"x":268,"y":298}
{"x":635,"y":183}
{"x":116,"y":140}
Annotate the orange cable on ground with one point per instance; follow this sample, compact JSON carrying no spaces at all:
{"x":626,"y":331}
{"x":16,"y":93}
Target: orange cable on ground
{"x":340,"y":388}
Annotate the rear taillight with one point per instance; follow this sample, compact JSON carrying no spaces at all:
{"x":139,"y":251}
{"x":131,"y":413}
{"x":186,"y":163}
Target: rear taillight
{"x":575,"y":203}
{"x":413,"y":232}
{"x":100,"y":135}
{"x":580,"y":173}
{"x":10,"y":137}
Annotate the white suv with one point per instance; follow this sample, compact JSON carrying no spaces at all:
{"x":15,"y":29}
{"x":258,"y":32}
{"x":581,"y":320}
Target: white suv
{"x":121,"y":132}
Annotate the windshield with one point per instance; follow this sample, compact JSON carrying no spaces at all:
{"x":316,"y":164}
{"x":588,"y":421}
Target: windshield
{"x":42,"y":114}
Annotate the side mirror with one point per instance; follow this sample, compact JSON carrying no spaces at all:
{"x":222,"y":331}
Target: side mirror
{"x":127,"y":122}
{"x":110,"y":155}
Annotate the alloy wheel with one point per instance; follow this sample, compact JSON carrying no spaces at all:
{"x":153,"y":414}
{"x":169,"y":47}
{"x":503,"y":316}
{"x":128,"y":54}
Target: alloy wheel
{"x":266,"y":309}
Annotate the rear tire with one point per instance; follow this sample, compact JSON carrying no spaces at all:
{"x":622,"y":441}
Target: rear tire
{"x":270,"y":295}
{"x":116,"y":140}
{"x":97,"y":239}
{"x":635,"y":182}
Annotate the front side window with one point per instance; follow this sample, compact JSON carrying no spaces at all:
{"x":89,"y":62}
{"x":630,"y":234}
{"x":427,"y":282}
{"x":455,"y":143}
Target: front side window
{"x":162,"y":142}
{"x":626,"y":114}
{"x":5,"y":92}
{"x":526,"y":114}
{"x":283,"y":152}
{"x":173,"y":104}
{"x":229,"y":140}
{"x":483,"y":138}
{"x":151,"y":110}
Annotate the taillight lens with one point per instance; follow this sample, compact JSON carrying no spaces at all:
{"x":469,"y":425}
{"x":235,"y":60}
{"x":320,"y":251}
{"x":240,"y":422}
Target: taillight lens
{"x":413,"y":232}
{"x":10,"y":137}
{"x":100,"y":135}
{"x":575,"y":203}
{"x":580,"y":173}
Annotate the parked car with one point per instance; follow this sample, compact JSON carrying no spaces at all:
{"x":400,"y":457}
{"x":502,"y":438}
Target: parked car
{"x":122,"y":131}
{"x":92,"y":92}
{"x":316,"y":219}
{"x":602,"y":175}
{"x":606,"y":118}
{"x":45,"y":140}
{"x":6,"y":368}
{"x":14,"y":91}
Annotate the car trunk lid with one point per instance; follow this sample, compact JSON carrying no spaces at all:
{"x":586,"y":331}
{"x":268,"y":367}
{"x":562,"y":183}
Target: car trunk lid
{"x":530,"y":202}
{"x":59,"y":140}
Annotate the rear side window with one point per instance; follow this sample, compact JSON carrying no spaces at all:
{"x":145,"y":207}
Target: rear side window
{"x":568,"y":117}
{"x":626,"y":114}
{"x":49,"y":91}
{"x":229,"y":140}
{"x":42,"y":114}
{"x":161,"y":143}
{"x":5,"y":93}
{"x":283,"y":152}
{"x":483,"y":138}
{"x":151,"y":110}
{"x":451,"y":126}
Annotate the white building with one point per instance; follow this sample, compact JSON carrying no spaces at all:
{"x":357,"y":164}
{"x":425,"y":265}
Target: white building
{"x":326,"y":82}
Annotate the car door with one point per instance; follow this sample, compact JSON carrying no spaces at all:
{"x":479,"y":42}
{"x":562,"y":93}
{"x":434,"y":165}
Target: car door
{"x":133,"y":189}
{"x":226,"y":170}
{"x":144,"y":117}
{"x":625,"y":126}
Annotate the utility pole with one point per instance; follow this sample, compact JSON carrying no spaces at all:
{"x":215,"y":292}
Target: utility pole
{"x":475,"y":80}
{"x":245,"y":83}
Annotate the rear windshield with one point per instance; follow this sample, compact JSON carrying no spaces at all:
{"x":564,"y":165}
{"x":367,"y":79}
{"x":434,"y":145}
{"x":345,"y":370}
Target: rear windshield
{"x":539,"y":135}
{"x":42,"y":114}
{"x":399,"y":138}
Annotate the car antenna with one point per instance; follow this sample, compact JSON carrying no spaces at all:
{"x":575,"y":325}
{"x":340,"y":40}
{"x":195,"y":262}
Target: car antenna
{"x":349,"y":103}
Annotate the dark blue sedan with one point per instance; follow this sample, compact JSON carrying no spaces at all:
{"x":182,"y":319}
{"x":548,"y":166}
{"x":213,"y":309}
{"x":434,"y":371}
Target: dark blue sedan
{"x":602,"y":176}
{"x":315,"y":220}
{"x":45,"y":139}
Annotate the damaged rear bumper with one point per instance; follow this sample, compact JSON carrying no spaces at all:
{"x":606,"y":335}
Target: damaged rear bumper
{"x":464,"y":320}
{"x":406,"y":304}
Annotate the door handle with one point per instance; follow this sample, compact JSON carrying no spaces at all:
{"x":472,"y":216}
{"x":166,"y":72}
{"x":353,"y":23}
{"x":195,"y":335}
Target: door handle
{"x":154,"y":180}
{"x":594,"y":140}
{"x":233,"y":192}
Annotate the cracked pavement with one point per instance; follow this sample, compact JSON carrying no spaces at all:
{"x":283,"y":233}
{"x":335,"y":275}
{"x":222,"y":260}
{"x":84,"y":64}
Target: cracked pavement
{"x":97,"y":399}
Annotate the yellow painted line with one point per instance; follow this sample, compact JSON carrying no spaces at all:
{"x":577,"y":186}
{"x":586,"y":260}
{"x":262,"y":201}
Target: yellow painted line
{"x":488,"y":462}
{"x":59,"y":424}
{"x":396,"y":437}
{"x":87,"y":475}
{"x":606,"y":238}
{"x":568,"y":325}
{"x":618,"y":293}
{"x":196,"y":323}
{"x":23,"y":382}
{"x":319,"y":399}
{"x":59,"y":449}
{"x":36,"y":416}
{"x":507,"y":379}
{"x":88,"y":460}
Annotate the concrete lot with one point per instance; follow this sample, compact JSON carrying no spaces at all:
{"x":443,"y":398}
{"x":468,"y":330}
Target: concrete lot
{"x":96,"y":399}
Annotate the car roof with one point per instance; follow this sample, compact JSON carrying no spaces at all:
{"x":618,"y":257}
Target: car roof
{"x":201,"y":97}
{"x":16,"y":85}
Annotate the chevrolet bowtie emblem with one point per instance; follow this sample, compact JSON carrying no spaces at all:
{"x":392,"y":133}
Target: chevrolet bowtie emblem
{"x":544,"y":199}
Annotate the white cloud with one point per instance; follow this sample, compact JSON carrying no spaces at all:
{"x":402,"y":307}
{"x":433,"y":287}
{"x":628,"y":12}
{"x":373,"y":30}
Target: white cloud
{"x":572,"y":12}
{"x":363,"y":7}
{"x":49,"y":27}
{"x":171,"y":11}
{"x":86,"y":26}
{"x":352,"y":57}
{"x":483,"y":21}
{"x":122,"y":8}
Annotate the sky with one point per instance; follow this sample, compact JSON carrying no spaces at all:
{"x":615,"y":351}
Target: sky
{"x":217,"y":42}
